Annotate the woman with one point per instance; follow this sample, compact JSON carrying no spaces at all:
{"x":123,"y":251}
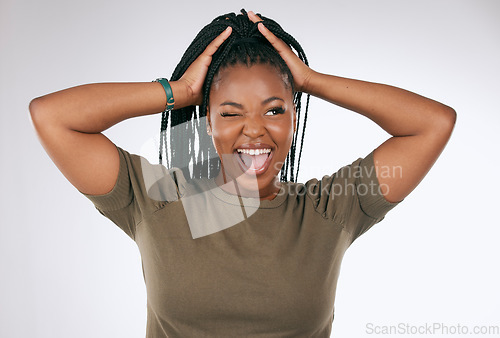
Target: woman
{"x":228,"y":248}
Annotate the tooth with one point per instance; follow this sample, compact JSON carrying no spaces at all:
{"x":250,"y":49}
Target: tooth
{"x":254,"y":151}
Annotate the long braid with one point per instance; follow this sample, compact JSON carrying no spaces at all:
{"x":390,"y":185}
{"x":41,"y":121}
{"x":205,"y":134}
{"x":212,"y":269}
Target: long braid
{"x":245,"y":45}
{"x":303,"y":133}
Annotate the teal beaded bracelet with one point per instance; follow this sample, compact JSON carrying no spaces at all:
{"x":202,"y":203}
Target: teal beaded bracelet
{"x":168,"y":92}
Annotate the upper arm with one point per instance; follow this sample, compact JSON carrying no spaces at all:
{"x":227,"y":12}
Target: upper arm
{"x":401,"y":162}
{"x":89,"y":161}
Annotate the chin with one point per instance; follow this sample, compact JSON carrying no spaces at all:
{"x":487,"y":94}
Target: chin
{"x":250,"y":181}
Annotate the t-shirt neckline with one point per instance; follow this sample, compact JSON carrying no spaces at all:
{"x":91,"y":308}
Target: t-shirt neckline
{"x":224,"y":196}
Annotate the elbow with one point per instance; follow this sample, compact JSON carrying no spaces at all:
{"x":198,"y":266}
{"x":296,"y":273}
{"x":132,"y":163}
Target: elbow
{"x":39,"y":111}
{"x":451,"y":115}
{"x":449,"y":118}
{"x":35,"y":109}
{"x":443,"y":122}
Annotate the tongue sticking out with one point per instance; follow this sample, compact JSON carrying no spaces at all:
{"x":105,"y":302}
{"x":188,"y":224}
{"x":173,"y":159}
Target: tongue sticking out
{"x":254,"y":162}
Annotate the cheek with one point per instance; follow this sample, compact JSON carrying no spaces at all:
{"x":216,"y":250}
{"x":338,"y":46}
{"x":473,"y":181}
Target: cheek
{"x":224,"y":137}
{"x":282,"y":132}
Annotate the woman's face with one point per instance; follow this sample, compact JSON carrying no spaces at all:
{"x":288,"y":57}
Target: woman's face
{"x":252,"y":119}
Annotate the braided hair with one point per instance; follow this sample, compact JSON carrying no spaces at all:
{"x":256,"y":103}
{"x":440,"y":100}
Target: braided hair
{"x":189,"y":144}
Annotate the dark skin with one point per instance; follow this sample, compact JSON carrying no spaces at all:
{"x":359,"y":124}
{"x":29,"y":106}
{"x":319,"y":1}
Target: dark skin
{"x":251,"y":106}
{"x":69,"y":122}
{"x":420,"y":127}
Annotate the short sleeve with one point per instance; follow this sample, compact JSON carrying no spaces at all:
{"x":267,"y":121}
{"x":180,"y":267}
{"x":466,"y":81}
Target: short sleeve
{"x":118,"y":205}
{"x":351,"y":197}
{"x":141,"y":188}
{"x":371,"y":200}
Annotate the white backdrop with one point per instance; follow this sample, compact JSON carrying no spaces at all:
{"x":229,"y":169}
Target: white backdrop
{"x":66,"y":271}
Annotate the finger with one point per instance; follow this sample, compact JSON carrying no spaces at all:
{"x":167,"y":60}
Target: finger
{"x":217,"y":42}
{"x":277,"y":43}
{"x":253,"y":17}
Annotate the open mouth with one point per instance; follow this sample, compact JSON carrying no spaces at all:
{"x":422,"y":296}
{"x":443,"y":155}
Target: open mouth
{"x":255,"y":161}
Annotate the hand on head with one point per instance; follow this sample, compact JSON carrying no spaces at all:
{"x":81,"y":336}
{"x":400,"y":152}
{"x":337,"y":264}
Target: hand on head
{"x":300,"y":71}
{"x":238,"y":40}
{"x":194,"y":76}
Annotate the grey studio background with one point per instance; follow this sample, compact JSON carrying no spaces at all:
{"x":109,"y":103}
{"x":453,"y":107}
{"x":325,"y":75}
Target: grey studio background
{"x":66,"y":271}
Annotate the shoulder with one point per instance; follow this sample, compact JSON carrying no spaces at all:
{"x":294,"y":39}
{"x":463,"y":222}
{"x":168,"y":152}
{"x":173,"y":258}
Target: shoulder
{"x":140,"y":180}
{"x":352,"y":187}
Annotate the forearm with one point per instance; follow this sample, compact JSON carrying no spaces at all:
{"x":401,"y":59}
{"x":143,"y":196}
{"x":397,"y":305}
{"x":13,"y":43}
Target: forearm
{"x":398,"y":111}
{"x":93,"y":108}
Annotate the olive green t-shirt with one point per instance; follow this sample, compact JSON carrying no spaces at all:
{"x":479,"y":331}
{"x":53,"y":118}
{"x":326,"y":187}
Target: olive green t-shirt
{"x":219,"y":265}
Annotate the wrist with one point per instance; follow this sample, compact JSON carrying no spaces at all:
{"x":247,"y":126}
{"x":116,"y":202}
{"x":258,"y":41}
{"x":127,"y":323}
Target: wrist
{"x":181,"y":94}
{"x":311,"y":83}
{"x":307,"y":85}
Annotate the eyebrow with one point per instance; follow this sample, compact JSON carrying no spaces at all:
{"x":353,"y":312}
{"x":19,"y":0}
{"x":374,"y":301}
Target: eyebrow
{"x":237,"y":105}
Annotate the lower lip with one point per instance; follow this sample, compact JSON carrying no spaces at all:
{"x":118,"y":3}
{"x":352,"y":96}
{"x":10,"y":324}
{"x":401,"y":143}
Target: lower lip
{"x":261,"y":170}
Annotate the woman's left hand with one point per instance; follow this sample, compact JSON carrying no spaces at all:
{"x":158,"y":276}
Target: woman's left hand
{"x":300,"y":71}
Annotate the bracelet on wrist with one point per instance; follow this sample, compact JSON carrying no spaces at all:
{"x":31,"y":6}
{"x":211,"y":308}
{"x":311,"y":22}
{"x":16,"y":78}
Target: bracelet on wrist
{"x":168,"y":93}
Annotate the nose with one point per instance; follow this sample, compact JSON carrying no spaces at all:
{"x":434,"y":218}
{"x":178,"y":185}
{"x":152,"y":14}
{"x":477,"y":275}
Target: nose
{"x":254,"y":127}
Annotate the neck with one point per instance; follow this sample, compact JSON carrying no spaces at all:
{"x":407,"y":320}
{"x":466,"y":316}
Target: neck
{"x":248,"y":186}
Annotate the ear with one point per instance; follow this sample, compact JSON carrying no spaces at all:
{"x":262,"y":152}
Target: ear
{"x":209,"y":127}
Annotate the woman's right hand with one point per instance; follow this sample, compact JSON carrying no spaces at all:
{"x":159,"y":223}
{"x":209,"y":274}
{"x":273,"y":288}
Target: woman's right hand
{"x":194,"y":76}
{"x":69,"y":123}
